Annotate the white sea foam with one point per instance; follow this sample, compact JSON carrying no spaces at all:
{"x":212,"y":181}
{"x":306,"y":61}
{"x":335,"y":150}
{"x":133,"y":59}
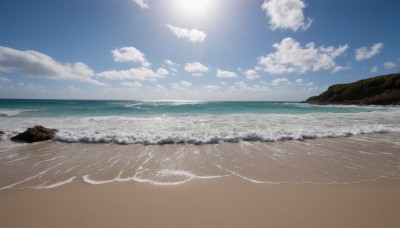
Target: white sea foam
{"x":88,"y":180}
{"x":210,"y":129}
{"x":162,"y":183}
{"x":29,"y":178}
{"x":57,"y":184}
{"x":13,"y":112}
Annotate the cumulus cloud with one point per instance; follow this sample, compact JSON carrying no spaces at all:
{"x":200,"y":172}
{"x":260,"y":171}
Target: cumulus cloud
{"x":4,"y":79}
{"x":226,"y":74}
{"x":36,"y":64}
{"x":367,"y":53}
{"x":142,"y":3}
{"x":134,"y":84}
{"x":160,"y":88}
{"x":142,"y":73}
{"x":212,"y":88}
{"x":286,"y":14}
{"x":291,"y":57}
{"x":280,"y":81}
{"x":186,"y":83}
{"x":340,"y":68}
{"x":196,"y":68}
{"x":171,"y":63}
{"x":193,"y":35}
{"x":130,"y":54}
{"x":251,"y":74}
{"x":242,"y":86}
{"x":389,"y":65}
{"x":181,"y":85}
{"x":374,"y":69}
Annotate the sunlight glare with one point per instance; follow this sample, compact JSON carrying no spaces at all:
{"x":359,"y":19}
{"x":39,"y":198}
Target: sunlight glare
{"x":194,"y":6}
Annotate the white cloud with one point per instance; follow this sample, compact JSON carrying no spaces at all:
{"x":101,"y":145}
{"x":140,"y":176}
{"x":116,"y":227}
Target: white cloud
{"x":374,"y":69}
{"x":251,"y":74}
{"x":141,"y":73}
{"x":160,"y":88}
{"x":181,"y":85}
{"x":366,"y":53}
{"x":4,"y":79}
{"x":193,"y":35}
{"x":226,"y":74}
{"x":31,"y":87}
{"x":280,"y":81}
{"x":291,"y":57}
{"x":142,"y":3}
{"x":286,"y":14}
{"x":171,"y":63}
{"x":172,"y":66}
{"x":212,"y":88}
{"x":242,"y":86}
{"x":389,"y":65}
{"x":36,"y":64}
{"x":186,"y":83}
{"x":340,"y":68}
{"x":134,"y":84}
{"x":196,"y":68}
{"x":130,"y":54}
{"x":299,"y":80}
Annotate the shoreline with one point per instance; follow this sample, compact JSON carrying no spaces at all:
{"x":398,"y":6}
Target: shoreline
{"x":307,"y":183}
{"x":227,"y":202}
{"x":348,"y":160}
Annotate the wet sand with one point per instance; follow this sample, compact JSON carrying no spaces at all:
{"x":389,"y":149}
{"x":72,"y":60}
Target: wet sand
{"x":330,"y":160}
{"x":332,"y":182}
{"x":224,"y":202}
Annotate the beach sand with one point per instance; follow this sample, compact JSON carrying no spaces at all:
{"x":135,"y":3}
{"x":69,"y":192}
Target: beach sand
{"x":224,"y":202}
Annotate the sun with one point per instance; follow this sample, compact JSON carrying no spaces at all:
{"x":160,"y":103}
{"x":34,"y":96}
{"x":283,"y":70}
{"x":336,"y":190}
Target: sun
{"x":193,"y":6}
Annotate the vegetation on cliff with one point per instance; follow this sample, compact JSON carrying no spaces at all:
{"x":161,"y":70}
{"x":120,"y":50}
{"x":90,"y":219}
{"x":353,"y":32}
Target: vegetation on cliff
{"x":380,"y":90}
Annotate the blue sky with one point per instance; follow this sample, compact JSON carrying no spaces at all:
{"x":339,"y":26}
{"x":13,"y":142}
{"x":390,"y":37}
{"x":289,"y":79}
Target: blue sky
{"x":193,"y":49}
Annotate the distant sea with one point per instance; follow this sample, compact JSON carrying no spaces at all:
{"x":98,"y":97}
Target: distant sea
{"x":192,"y":122}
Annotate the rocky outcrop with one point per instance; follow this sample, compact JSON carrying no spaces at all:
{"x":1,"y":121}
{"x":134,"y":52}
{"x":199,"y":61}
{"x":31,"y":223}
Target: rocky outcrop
{"x":380,"y":90}
{"x":35,"y":134}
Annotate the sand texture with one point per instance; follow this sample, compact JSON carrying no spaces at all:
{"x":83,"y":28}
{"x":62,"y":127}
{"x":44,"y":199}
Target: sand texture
{"x":227,"y":202}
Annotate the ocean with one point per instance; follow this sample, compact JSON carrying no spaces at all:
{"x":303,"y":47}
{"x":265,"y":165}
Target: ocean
{"x":191,"y":122}
{"x":173,"y":142}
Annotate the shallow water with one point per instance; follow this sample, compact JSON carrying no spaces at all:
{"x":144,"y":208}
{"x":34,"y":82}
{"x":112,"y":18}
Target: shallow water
{"x":322,"y":161}
{"x":157,"y":122}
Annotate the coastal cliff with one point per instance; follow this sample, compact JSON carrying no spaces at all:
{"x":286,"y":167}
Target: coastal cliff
{"x":380,"y":90}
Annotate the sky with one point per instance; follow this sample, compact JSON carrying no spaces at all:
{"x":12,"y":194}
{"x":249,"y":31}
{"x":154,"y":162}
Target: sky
{"x":263,"y":50}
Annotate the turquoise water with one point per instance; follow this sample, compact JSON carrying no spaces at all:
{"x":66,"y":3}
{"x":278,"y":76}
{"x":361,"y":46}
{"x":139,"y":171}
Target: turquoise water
{"x":161,"y":122}
{"x":51,"y":108}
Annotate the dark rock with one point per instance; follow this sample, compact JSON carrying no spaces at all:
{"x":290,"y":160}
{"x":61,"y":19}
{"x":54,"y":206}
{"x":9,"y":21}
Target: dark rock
{"x":380,"y":90}
{"x":36,"y":134}
{"x":2,"y":133}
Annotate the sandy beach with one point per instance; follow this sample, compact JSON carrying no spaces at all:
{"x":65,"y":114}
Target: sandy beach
{"x":226,"y":202}
{"x":199,"y":113}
